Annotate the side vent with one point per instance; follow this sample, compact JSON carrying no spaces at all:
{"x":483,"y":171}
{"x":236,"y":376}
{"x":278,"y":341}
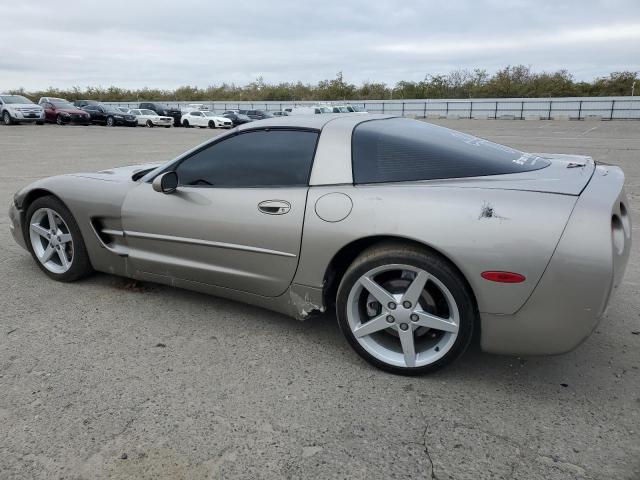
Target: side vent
{"x":110,"y":235}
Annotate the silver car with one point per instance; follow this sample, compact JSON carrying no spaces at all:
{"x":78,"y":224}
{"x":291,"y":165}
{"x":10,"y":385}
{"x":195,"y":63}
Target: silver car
{"x":419,"y":237}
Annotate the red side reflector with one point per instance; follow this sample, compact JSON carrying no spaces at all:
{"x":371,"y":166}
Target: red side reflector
{"x":503,"y":277}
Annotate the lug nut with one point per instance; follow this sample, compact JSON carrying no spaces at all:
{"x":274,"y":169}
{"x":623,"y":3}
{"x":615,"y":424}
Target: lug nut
{"x":404,"y":326}
{"x":390,"y":319}
{"x":414,"y":317}
{"x":391,"y":305}
{"x":406,"y":304}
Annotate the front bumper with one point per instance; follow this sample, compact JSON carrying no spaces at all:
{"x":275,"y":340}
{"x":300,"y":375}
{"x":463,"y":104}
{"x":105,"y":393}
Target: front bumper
{"x":15,"y":226}
{"x":585,"y":270}
{"x":27,"y":116}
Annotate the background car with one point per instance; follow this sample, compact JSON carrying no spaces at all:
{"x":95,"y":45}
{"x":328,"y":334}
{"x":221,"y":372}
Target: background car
{"x":236,"y":118}
{"x":198,"y":118}
{"x":258,"y":114}
{"x":279,"y":113}
{"x":149,"y":118}
{"x":61,"y":111}
{"x":355,"y":109}
{"x":164,"y":111}
{"x":417,"y":235}
{"x":195,"y":106}
{"x":17,"y":109}
{"x":83,"y":103}
{"x":304,"y":110}
{"x":109,"y":116}
{"x":339,"y":109}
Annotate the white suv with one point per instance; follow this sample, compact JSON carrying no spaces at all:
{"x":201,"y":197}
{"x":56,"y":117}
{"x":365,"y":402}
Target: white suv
{"x":16,"y":109}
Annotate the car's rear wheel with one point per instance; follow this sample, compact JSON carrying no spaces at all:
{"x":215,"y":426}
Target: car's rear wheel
{"x":149,"y":124}
{"x":6,"y":118}
{"x":405,"y":310}
{"x":111,"y":122}
{"x":212,"y":124}
{"x":185,"y":124}
{"x":55,"y":241}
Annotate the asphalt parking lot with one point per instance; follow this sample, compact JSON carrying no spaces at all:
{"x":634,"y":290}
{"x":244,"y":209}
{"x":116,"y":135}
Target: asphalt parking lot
{"x":109,"y":378}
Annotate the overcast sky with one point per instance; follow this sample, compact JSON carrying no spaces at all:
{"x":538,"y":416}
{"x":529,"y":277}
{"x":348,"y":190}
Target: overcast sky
{"x":168,"y":43}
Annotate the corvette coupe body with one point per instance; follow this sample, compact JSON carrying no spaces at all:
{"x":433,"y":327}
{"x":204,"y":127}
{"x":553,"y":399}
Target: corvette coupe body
{"x":419,"y":236}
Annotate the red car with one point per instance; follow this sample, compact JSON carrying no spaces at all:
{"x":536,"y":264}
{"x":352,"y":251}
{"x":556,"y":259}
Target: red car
{"x":60,"y":111}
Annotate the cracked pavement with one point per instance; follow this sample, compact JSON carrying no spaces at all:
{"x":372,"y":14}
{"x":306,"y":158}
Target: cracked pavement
{"x":109,"y":378}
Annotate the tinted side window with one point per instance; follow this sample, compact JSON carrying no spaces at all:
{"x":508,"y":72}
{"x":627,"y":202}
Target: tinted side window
{"x":397,"y":150}
{"x":253,"y":159}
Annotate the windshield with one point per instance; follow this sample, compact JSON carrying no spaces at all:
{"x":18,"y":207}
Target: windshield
{"x":15,"y":99}
{"x":62,"y":104}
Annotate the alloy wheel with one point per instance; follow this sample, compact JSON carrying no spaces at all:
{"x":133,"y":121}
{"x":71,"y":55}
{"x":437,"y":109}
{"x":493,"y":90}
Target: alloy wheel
{"x":403,"y":315}
{"x":6,"y":118}
{"x":51,"y":240}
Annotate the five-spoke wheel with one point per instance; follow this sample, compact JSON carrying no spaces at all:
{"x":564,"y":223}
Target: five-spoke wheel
{"x":405,"y":310}
{"x":51,"y":240}
{"x":55,"y":240}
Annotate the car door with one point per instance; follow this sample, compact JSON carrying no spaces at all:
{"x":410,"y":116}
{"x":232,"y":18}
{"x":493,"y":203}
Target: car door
{"x":198,"y":119}
{"x":92,"y":111}
{"x":236,"y":218}
{"x":49,"y":111}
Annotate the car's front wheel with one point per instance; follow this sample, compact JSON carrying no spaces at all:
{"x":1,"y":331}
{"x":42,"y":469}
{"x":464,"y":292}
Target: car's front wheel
{"x":55,"y":241}
{"x":6,"y":118}
{"x":185,"y":124}
{"x":212,"y":124}
{"x":59,"y":120}
{"x":405,"y":310}
{"x":111,"y":122}
{"x":149,"y":124}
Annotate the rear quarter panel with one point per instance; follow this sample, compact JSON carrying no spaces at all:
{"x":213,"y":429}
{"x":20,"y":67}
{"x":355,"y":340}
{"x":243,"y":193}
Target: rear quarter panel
{"x":477,"y":229}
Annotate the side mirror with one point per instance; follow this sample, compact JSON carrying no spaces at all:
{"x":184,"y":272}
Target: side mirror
{"x":166,"y":182}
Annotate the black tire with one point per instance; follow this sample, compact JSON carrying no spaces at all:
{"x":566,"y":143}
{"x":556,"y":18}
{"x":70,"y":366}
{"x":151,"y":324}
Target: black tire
{"x":185,"y":124}
{"x":149,"y":124}
{"x":59,"y":120}
{"x":111,"y":122}
{"x":436,"y":265}
{"x":81,"y":265}
{"x":39,"y":123}
{"x":6,"y":118}
{"x":212,"y":124}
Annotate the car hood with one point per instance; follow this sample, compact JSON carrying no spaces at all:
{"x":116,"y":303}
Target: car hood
{"x":118,"y":174}
{"x":23,"y":105}
{"x":70,"y":110}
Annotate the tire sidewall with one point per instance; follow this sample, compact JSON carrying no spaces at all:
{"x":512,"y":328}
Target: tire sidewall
{"x":435,"y":265}
{"x":212,"y":124}
{"x":149,"y":124}
{"x":110,"y":122}
{"x":81,"y":265}
{"x":6,"y":118}
{"x":59,"y":120}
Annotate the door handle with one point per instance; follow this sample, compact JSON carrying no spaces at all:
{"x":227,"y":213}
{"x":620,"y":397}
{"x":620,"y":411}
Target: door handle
{"x":274,"y":207}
